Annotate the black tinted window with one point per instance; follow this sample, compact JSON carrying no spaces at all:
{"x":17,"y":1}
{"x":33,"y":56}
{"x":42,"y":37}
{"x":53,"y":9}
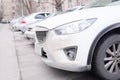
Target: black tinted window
{"x":40,"y":16}
{"x":48,"y":13}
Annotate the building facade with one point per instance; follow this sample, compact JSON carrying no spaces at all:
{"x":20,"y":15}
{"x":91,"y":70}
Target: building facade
{"x":1,"y":10}
{"x":7,"y":9}
{"x":49,"y":5}
{"x":16,"y":8}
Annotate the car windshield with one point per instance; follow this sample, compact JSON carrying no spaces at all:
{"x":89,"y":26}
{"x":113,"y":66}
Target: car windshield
{"x":68,"y":10}
{"x":102,"y":3}
{"x":91,"y":4}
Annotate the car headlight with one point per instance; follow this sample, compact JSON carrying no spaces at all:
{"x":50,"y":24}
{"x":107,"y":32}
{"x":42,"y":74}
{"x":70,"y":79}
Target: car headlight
{"x":75,"y":26}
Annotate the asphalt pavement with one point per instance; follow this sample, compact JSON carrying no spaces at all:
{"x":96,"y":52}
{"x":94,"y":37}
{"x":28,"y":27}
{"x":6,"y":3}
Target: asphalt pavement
{"x":19,"y":61}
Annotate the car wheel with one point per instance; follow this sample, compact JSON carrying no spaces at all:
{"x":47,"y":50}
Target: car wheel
{"x":106,"y":60}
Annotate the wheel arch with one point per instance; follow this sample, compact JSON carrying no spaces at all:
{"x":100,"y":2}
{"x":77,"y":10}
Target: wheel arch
{"x":112,"y":29}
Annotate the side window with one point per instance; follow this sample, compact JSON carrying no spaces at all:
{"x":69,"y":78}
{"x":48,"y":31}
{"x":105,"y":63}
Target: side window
{"x":48,"y":14}
{"x":40,"y":16}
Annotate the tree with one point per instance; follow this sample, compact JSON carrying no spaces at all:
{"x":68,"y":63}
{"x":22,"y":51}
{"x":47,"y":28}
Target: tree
{"x":28,"y":6}
{"x":58,"y":4}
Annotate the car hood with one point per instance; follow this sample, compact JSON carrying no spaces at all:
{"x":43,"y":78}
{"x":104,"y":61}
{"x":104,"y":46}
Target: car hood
{"x":99,"y":13}
{"x":33,"y":24}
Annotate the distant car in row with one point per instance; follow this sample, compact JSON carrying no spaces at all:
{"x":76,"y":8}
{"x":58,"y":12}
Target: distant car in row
{"x":35,"y":17}
{"x":30,"y":31}
{"x":15,"y":23}
{"x":5,"y":21}
{"x":20,"y":23}
{"x":15,"y":20}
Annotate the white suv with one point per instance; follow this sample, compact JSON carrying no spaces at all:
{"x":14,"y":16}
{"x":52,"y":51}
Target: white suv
{"x":86,"y":39}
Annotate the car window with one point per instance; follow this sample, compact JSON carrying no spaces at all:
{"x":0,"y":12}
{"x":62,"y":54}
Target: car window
{"x":66,"y":11}
{"x":114,"y":3}
{"x":48,"y":14}
{"x":40,"y":16}
{"x":102,"y":3}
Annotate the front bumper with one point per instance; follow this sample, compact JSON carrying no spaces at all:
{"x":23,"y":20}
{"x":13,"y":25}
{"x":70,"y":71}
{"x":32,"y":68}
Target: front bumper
{"x":60,"y":63}
{"x":74,"y":67}
{"x":15,"y":27}
{"x":54,"y":45}
{"x":29,"y":34}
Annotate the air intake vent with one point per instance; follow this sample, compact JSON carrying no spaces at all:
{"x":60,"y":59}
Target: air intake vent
{"x":41,"y":35}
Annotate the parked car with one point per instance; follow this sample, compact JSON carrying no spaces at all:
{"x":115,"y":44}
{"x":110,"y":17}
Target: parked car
{"x":4,"y":21}
{"x":30,"y":33}
{"x":15,"y":20}
{"x":29,"y":30}
{"x":15,"y":23}
{"x":32,"y":18}
{"x":83,"y":40}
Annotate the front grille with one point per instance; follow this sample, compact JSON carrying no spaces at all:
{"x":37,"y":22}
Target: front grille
{"x":41,"y":35}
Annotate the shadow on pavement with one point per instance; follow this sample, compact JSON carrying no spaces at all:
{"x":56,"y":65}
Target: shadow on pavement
{"x":83,"y":76}
{"x":75,"y":75}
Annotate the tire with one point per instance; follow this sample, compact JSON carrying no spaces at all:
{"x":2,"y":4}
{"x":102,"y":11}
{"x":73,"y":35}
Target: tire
{"x":106,"y":60}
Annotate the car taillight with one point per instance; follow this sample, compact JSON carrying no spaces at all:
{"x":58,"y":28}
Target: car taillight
{"x":23,"y":22}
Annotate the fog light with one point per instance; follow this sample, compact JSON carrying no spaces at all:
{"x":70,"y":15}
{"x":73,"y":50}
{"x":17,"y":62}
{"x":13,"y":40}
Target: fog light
{"x":71,"y":52}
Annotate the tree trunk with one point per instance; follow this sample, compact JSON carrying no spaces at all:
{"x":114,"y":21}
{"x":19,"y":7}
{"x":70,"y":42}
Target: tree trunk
{"x":27,"y":4}
{"x":58,"y":5}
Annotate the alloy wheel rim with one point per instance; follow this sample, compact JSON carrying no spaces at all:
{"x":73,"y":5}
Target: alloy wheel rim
{"x":112,"y":58}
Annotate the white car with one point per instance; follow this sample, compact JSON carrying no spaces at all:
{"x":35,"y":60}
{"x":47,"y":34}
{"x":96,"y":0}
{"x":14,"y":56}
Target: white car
{"x":32,"y":18}
{"x":30,"y":34}
{"x":83,"y":40}
{"x":15,"y":23}
{"x":30,"y":31}
{"x":15,"y":20}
